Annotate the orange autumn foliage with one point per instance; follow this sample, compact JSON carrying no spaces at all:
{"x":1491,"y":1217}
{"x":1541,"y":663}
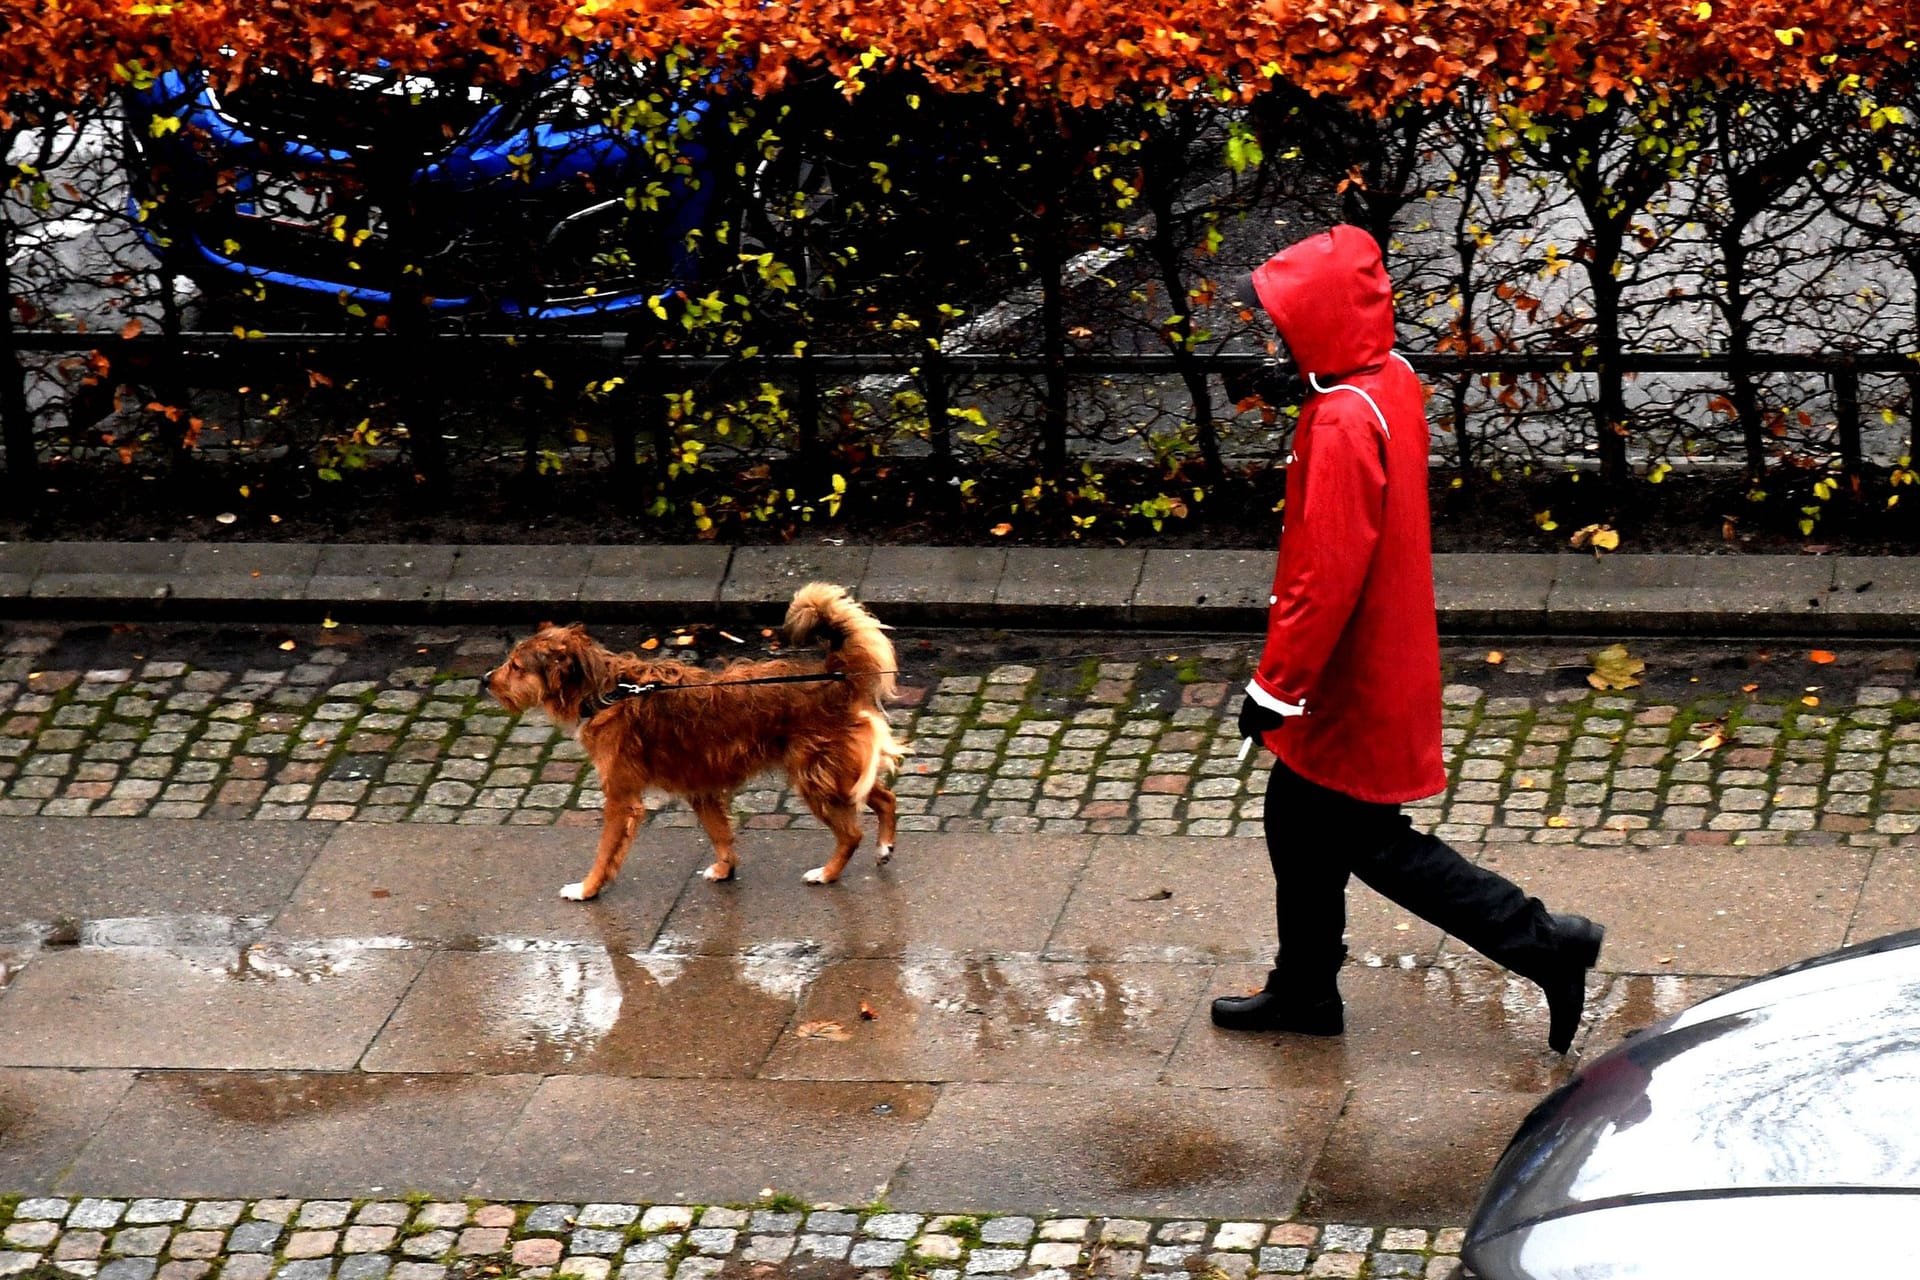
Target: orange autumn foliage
{"x":1544,"y":56}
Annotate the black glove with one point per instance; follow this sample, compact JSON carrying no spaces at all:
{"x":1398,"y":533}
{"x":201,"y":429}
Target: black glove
{"x":1255,"y":719}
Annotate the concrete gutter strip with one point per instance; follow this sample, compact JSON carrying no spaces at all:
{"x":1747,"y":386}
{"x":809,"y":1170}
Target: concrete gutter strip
{"x":1098,"y":587}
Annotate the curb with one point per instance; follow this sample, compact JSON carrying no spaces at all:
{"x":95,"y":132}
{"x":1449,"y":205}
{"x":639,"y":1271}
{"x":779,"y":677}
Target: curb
{"x":1034,"y":587}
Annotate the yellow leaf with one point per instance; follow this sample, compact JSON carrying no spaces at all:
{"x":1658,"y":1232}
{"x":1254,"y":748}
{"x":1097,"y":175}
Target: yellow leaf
{"x":1495,"y":658}
{"x":1809,"y":701}
{"x":1606,"y":540}
{"x":1002,"y":529}
{"x":1703,"y":10}
{"x":1615,"y":668}
{"x":328,"y":624}
{"x":287,"y":645}
{"x":1557,"y":820}
{"x":1707,"y":746}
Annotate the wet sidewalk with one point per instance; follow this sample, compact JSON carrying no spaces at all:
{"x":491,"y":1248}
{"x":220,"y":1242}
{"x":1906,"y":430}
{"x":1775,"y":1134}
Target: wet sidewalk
{"x":1015,"y":1025}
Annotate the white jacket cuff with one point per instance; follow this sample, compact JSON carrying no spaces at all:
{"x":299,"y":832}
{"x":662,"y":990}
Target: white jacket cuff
{"x":1272,"y":703}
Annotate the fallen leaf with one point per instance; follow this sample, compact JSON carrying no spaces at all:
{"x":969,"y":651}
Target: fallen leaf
{"x":226,"y":517}
{"x":1557,"y":820}
{"x":1002,"y":529}
{"x":1615,"y":668}
{"x":822,"y":1031}
{"x":287,"y":645}
{"x":683,"y":640}
{"x":866,"y":1011}
{"x":1809,"y":701}
{"x":1495,"y":658}
{"x":1748,"y":688}
{"x":1663,"y":959}
{"x":651,"y":642}
{"x":1821,"y":656}
{"x":1598,"y":536}
{"x":1707,"y":746}
{"x":383,"y":893}
{"x":328,"y":624}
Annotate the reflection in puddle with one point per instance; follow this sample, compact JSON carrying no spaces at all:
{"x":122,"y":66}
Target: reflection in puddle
{"x":567,"y":1002}
{"x":1024,"y":996}
{"x":268,"y":962}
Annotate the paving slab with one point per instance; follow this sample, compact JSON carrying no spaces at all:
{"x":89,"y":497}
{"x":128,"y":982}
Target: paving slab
{"x":381,"y":573}
{"x":1228,"y":589}
{"x":135,"y":573}
{"x":588,"y":1012}
{"x":1492,"y":591}
{"x":705,"y":1142}
{"x":1639,"y":592}
{"x":932,"y":899}
{"x":1007,"y":1019}
{"x":1698,"y":909}
{"x":1890,"y":900}
{"x":91,"y":869}
{"x":1413,"y":1144}
{"x":46,"y":1118}
{"x":245,"y":572}
{"x":257,"y":1007}
{"x":541,"y":577}
{"x":1463,"y":1016}
{"x":477,"y":887}
{"x":19,"y":565}
{"x":1632,"y":1002}
{"x":1875,"y":595}
{"x":1734,"y":594}
{"x":650,"y":575}
{"x":1094,"y":587}
{"x":770,"y":575}
{"x":1157,"y":1150}
{"x":1191,"y":898}
{"x":240,"y":1133}
{"x":932,"y":584}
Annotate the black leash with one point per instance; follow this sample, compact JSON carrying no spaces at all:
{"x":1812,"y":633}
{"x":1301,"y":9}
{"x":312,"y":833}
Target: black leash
{"x":626,"y":688}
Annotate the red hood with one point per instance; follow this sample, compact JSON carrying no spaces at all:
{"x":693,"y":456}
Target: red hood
{"x":1330,"y":299}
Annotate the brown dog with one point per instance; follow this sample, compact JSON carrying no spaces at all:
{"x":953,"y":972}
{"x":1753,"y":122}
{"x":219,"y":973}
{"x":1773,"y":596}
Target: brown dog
{"x":701,"y":734}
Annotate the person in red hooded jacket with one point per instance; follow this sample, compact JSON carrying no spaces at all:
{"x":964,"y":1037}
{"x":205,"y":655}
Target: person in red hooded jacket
{"x":1347,"y":691}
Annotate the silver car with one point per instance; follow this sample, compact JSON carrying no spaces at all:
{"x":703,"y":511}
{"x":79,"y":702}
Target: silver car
{"x":1769,"y":1131}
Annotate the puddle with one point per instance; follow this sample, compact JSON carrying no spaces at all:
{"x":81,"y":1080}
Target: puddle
{"x":1024,"y":996}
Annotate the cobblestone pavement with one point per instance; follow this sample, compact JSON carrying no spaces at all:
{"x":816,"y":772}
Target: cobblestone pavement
{"x":1723,"y":745}
{"x":157,"y":1239}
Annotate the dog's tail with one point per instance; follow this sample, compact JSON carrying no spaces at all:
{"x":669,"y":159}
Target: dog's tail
{"x":856,"y":641}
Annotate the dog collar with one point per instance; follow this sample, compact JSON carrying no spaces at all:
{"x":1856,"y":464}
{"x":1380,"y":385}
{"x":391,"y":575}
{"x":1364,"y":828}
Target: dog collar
{"x":621,"y":691}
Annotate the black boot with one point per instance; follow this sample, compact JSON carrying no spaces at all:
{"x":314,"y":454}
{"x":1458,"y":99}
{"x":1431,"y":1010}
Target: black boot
{"x":1566,"y":983}
{"x":1305,"y":1003}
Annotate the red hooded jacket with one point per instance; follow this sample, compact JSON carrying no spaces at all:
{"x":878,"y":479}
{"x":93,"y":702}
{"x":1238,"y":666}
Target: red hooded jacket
{"x":1353,"y":651}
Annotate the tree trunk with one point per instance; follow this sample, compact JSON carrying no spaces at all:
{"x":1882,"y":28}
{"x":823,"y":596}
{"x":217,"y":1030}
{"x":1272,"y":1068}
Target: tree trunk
{"x":1053,"y":344}
{"x":1166,"y":257}
{"x":16,"y":419}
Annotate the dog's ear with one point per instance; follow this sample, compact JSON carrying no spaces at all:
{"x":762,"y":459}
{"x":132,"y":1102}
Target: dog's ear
{"x":561,"y":666}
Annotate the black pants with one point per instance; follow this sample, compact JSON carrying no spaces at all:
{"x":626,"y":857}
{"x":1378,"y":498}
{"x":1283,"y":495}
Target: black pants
{"x":1317,"y":837}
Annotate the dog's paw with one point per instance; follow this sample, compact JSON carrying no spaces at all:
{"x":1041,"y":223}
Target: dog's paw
{"x":716,"y":872}
{"x":883,"y":855}
{"x":818,"y":876}
{"x":575,"y":892}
